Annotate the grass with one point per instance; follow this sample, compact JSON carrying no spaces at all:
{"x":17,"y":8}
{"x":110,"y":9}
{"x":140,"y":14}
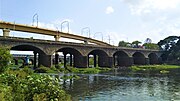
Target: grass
{"x":89,"y":70}
{"x":161,"y":68}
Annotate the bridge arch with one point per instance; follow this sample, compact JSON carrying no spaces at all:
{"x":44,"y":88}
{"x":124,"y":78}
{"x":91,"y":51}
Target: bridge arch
{"x":99,"y":57}
{"x":139,"y":58}
{"x":43,"y":59}
{"x":76,"y":59}
{"x":153,"y":58}
{"x":121,"y":58}
{"x":27,"y":47}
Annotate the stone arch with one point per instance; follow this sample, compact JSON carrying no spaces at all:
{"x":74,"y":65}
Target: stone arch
{"x":43,"y":58}
{"x":76,"y":57}
{"x":27,"y":47}
{"x":100,"y":57}
{"x":153,"y":58}
{"x":139,"y":58}
{"x":121,"y":58}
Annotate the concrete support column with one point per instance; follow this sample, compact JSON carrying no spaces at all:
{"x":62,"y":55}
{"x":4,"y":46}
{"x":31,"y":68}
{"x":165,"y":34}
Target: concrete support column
{"x":6,"y":32}
{"x":71,"y":59}
{"x":57,"y":37}
{"x":124,"y":61}
{"x":35,"y":59}
{"x":81,"y":61}
{"x":88,"y":60}
{"x":146,"y":61}
{"x":64,"y":59}
{"x":95,"y":63}
{"x":131,"y":61}
{"x":56,"y":59}
{"x":45,"y":60}
{"x":86,"y":42}
{"x":111,"y":62}
{"x":105,"y":61}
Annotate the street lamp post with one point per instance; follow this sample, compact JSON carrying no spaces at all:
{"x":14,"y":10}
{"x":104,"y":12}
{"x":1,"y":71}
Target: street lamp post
{"x":67,"y":22}
{"x":99,"y":33}
{"x":87,"y":28}
{"x":35,"y":15}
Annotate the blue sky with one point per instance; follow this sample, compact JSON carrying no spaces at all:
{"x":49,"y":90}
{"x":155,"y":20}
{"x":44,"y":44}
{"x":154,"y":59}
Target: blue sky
{"x":127,"y":20}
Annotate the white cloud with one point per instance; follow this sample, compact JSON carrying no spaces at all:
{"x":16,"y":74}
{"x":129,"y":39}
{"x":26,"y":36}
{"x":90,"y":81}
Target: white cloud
{"x":109,"y":10}
{"x":139,"y":7}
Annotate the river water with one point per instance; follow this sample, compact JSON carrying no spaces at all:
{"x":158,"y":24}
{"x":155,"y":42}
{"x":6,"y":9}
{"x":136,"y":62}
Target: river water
{"x":125,"y":86}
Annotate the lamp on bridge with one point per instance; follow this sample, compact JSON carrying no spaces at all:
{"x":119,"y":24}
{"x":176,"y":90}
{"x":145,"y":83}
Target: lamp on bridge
{"x":87,"y":29}
{"x":65,"y":22}
{"x":99,"y":33}
{"x":35,"y":15}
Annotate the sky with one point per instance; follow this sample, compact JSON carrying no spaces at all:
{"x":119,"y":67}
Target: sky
{"x":121,"y":20}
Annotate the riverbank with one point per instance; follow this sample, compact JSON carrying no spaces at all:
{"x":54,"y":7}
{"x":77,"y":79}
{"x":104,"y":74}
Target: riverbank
{"x":157,"y":68}
{"x":95,"y":70}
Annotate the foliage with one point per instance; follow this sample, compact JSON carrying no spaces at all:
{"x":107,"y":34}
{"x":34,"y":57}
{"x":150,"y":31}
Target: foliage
{"x":5,"y":58}
{"x":124,"y":44}
{"x":89,"y":70}
{"x":153,"y":67}
{"x":151,"y":46}
{"x":136,"y":43}
{"x":43,"y":69}
{"x":33,"y":87}
{"x":167,"y":43}
{"x":171,"y":48}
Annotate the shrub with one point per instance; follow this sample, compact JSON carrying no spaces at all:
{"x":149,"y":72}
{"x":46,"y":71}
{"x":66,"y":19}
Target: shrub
{"x":33,"y":87}
{"x":5,"y":57}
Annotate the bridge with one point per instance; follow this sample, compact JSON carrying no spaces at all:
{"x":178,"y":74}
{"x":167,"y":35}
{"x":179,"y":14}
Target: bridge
{"x":103,"y":54}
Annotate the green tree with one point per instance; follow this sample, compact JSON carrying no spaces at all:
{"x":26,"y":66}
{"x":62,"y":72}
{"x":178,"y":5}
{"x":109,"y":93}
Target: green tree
{"x":124,"y":44}
{"x":167,"y":43}
{"x":170,"y":47}
{"x":151,"y":46}
{"x":5,"y":57}
{"x":136,"y":43}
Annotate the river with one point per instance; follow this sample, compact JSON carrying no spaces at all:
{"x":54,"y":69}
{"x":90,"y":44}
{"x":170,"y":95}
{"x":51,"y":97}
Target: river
{"x":125,"y":86}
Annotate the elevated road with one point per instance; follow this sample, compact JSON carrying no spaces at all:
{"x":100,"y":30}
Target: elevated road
{"x":55,"y":33}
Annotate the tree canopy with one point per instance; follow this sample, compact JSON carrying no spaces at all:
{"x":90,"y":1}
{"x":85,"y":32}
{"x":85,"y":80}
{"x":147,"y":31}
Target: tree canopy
{"x":171,"y":48}
{"x":124,"y":44}
{"x":151,"y":46}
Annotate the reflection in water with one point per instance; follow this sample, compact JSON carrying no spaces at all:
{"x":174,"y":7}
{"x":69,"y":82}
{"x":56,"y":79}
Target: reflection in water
{"x":124,"y":87}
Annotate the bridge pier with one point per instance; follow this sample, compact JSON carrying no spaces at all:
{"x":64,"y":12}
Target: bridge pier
{"x":45,"y":60}
{"x":95,"y":63}
{"x":56,"y":59}
{"x":147,"y":61}
{"x":35,"y":59}
{"x":105,"y":61}
{"x":6,"y":32}
{"x":71,"y":64}
{"x":81,"y":61}
{"x":124,"y":61}
{"x":64,"y":58}
{"x":57,"y":37}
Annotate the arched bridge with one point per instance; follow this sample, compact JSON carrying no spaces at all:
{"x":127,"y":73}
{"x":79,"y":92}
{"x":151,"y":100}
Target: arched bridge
{"x":103,"y":54}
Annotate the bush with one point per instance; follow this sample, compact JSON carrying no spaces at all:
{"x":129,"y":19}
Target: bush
{"x":43,"y":69}
{"x":5,"y":57}
{"x":31,"y":88}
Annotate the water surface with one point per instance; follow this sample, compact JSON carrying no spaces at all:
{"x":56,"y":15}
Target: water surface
{"x":125,"y":86}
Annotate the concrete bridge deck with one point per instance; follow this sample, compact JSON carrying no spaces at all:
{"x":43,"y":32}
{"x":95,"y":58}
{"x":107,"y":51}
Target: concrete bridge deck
{"x":7,"y":26}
